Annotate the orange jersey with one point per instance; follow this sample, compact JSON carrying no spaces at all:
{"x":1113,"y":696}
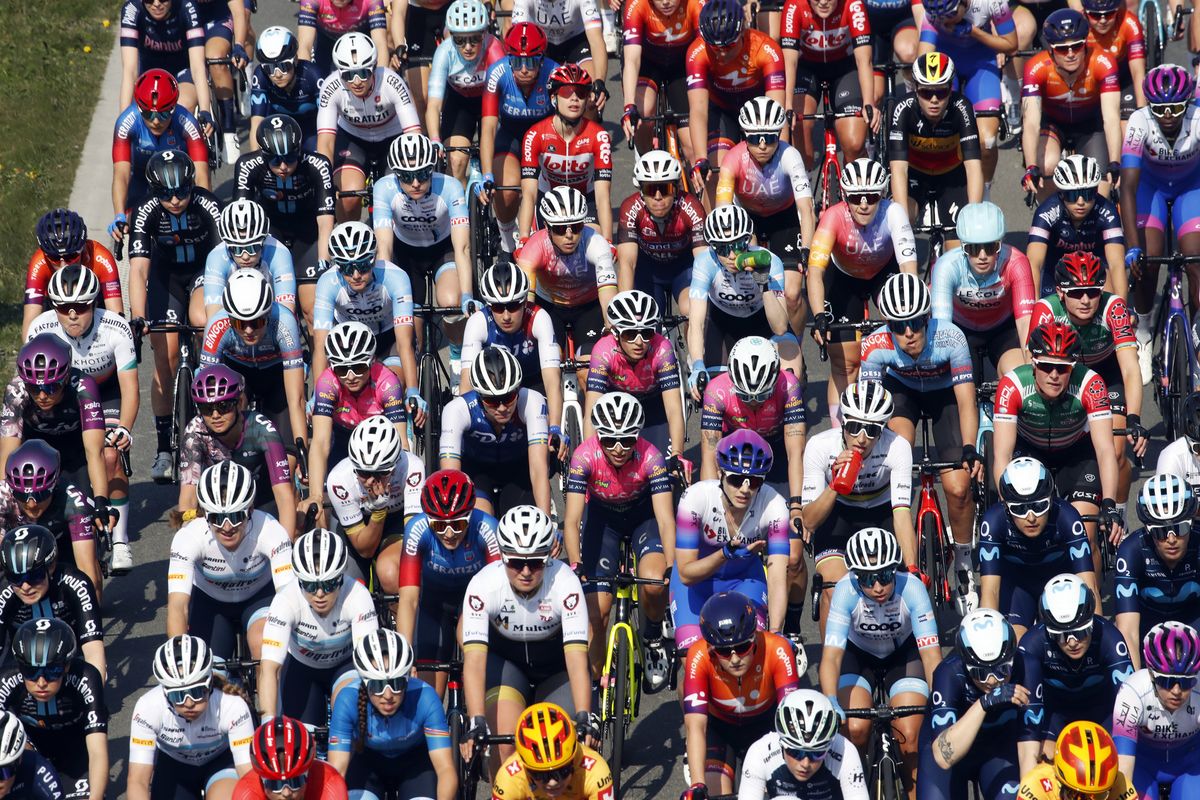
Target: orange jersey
{"x":748,"y":72}
{"x":1124,"y":42}
{"x":1078,"y":101}
{"x":96,"y":257}
{"x":710,"y":690}
{"x":664,"y":40}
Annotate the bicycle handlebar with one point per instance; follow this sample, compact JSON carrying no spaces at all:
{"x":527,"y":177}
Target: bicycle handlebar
{"x":935,"y":466}
{"x":437,"y":666}
{"x":883,"y":713}
{"x":623,"y":579}
{"x":363,"y":193}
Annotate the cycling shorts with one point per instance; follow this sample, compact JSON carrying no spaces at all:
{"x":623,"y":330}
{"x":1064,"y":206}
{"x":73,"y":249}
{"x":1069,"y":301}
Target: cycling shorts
{"x":686,"y":602}
{"x":900,"y":671}
{"x":1021,"y":590}
{"x":1076,"y":474}
{"x":505,"y":484}
{"x":110,"y":401}
{"x":460,"y":115}
{"x":991,"y":344}
{"x":423,"y":30}
{"x":436,"y":624}
{"x":586,"y":321}
{"x":725,"y":744}
{"x":980,"y":81}
{"x":846,"y":297}
{"x":844,"y":90}
{"x":1110,"y":371}
{"x":264,"y":387}
{"x":938,"y":197}
{"x":1085,"y":138}
{"x":844,"y":520}
{"x":405,"y":775}
{"x":219,"y":29}
{"x":72,"y":468}
{"x":992,"y":766}
{"x":418,"y":262}
{"x":1039,"y":11}
{"x":536,"y":671}
{"x":780,"y":233}
{"x":940,"y":405}
{"x":509,"y":140}
{"x":1063,"y":708}
{"x":885,"y":24}
{"x":723,"y":129}
{"x":353,"y":152}
{"x":723,"y":330}
{"x":305,"y":692}
{"x":663,"y":280}
{"x":654,"y":76}
{"x":603,"y":529}
{"x":175,"y":780}
{"x":169,"y":292}
{"x":174,"y":63}
{"x":219,"y":622}
{"x":302,"y":244}
{"x":1152,"y":200}
{"x":575,"y":50}
{"x":323,"y":46}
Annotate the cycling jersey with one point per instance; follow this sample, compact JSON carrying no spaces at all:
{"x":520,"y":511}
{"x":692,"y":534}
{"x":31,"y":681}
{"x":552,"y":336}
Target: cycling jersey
{"x":1170,"y":164}
{"x":275,"y":265}
{"x":383,"y":394}
{"x":533,"y":343}
{"x":1040,"y":783}
{"x":323,"y":783}
{"x":881,"y":629}
{"x":79,"y":410}
{"x":95,"y":256}
{"x":1177,"y":459}
{"x":701,"y":526}
{"x":960,"y":45}
{"x":764,"y":189}
{"x":610,"y":370}
{"x":1144,"y":585}
{"x":334,"y":19}
{"x":709,"y":690}
{"x":103,"y":350}
{"x":294,"y":630}
{"x":944,"y":362}
{"x":423,"y":222}
{"x":560,"y":20}
{"x":1051,"y":424}
{"x":754,"y":68}
{"x":224,"y":725}
{"x":70,"y":596}
{"x":76,"y":710}
{"x":977,"y":302}
{"x":735,"y":293}
{"x":1052,"y":226}
{"x":862,"y":252}
{"x":291,"y":203}
{"x":385,"y":303}
{"x":36,"y":779}
{"x":885,"y":475}
{"x":725,"y":412}
{"x":298,"y":99}
{"x":672,"y":239}
{"x":505,"y":99}
{"x":419,"y":722}
{"x":68,"y":516}
{"x":553,"y":611}
{"x":1110,"y":330}
{"x":162,"y":42}
{"x":578,"y":163}
{"x":1078,"y":102}
{"x":467,"y":435}
{"x":1142,"y":727}
{"x":280,"y":344}
{"x":828,"y":40}
{"x":386,"y":112}
{"x":348,"y":497}
{"x":591,"y":779}
{"x":1125,"y":42}
{"x":766,"y":776}
{"x":259,"y":449}
{"x":664,"y":40}
{"x":933,"y":147}
{"x":1007,"y":552}
{"x":429,"y":564}
{"x":568,"y":280}
{"x":618,"y":488}
{"x":467,"y":78}
{"x":176,"y":243}
{"x":133,"y":142}
{"x":263,"y":557}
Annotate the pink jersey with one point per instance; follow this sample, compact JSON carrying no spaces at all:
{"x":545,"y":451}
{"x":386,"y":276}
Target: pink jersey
{"x":763,"y":189}
{"x":725,"y":412}
{"x":353,"y":16}
{"x":611,"y":370}
{"x":977,"y":302}
{"x":592,"y":474}
{"x":383,"y":395}
{"x":862,"y":252}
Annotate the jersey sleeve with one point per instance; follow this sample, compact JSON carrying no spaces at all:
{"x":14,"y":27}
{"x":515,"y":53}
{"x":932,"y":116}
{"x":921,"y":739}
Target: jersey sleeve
{"x":185,"y":550}
{"x":278,"y":548}
{"x":1127,"y":720}
{"x":456,"y":420}
{"x":991,"y":530}
{"x":944,"y":275}
{"x":574,"y":610}
{"x":1127,"y":576}
{"x":439,"y":70}
{"x":841,"y":606}
{"x":1019,"y":277}
{"x":900,"y":462}
{"x":433,"y":721}
{"x":382,"y":197}
{"x":904,"y":245}
{"x":400,"y":288}
{"x":696,"y":678}
{"x":1074,"y":536}
{"x":411,"y":557}
{"x":542,"y":330}
{"x":924,"y":621}
{"x":1029,"y":674}
{"x":476,"y":612}
{"x":1008,"y":399}
{"x":533,"y":414}
{"x":343,"y":722}
{"x":278,"y":631}
{"x":1094,"y":396}
{"x":143,"y":731}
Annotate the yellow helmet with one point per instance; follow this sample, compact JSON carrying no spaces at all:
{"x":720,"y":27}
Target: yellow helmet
{"x":933,"y":69}
{"x":1085,"y":758}
{"x":545,"y":737}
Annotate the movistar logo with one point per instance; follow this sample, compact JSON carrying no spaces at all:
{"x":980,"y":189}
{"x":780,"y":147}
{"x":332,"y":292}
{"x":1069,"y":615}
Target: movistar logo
{"x":1127,"y":591}
{"x":1081,"y":551}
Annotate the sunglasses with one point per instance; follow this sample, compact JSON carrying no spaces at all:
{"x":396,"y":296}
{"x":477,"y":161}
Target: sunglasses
{"x":1054,"y":367}
{"x":884,"y":577}
{"x":155,"y":2}
{"x":468,"y":41}
{"x":655,"y":189}
{"x":854,"y":428}
{"x":316,"y":587}
{"x":1035,"y":507}
{"x":623,"y":442}
{"x":381,"y":686}
{"x":1100,"y":16}
{"x":197,"y":694}
{"x":525,"y":63}
{"x":33,"y":577}
{"x":458,"y":524}
{"x":414,"y":175}
{"x":870,"y":198}
{"x":1160,"y":533}
{"x":933,"y":94}
{"x":244,"y":250}
{"x":379,"y":475}
{"x":1078,"y":634}
{"x":560,"y":775}
{"x":755,"y":399}
{"x":799,"y":754}
{"x":1075,"y":195}
{"x":1168,"y":109}
{"x":44,"y":388}
{"x":740,"y":481}
{"x":1069,"y":47}
{"x":250,"y":324}
{"x":729,"y":248}
{"x":762,"y":139}
{"x":78,"y":309}
{"x":158,"y":116}
{"x":563,"y":230}
{"x":1001,"y":672}
{"x":574,"y":90}
{"x":903,"y":326}
{"x":226,"y":519}
{"x":522,"y":564}
{"x":734,"y":649}
{"x":352,"y":370}
{"x":357,"y":267}
{"x":178,"y":193}
{"x":34,"y":497}
{"x":273,"y":786}
{"x":359,"y":74}
{"x":280,"y":161}
{"x":977,"y":249}
{"x":219,"y":408}
{"x":50,"y":674}
{"x":1194,"y":446}
{"x":1083,"y":292}
{"x":1167,"y":682}
{"x":502,"y":400}
{"x":507,"y":308}
{"x":632,"y":335}
{"x":281,"y":67}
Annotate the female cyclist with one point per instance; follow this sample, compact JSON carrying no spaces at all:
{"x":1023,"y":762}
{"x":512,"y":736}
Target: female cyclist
{"x":283,"y":83}
{"x":283,"y":754}
{"x":168,"y":36}
{"x":62,"y":238}
{"x":654,"y":55}
{"x":320,"y":23}
{"x":30,"y":775}
{"x":1118,"y":31}
{"x":552,"y":760}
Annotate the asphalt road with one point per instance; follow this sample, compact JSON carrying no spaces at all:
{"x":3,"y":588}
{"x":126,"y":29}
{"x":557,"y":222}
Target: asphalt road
{"x":135,"y":604}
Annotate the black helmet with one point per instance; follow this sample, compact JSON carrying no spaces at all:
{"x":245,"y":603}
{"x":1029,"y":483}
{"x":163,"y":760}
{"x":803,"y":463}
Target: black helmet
{"x":728,"y":619}
{"x":279,"y":135}
{"x":61,"y":234}
{"x":170,"y":169}
{"x":44,"y":642}
{"x":25,"y":549}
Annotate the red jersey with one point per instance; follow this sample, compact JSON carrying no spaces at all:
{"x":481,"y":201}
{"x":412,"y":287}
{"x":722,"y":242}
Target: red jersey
{"x":750,"y":71}
{"x":825,"y":40}
{"x":1079,"y":101}
{"x":324,"y":783}
{"x":665,"y":241}
{"x":710,"y":690}
{"x":556,"y":162}
{"x":96,"y":257}
{"x":1124,"y":42}
{"x":664,"y":40}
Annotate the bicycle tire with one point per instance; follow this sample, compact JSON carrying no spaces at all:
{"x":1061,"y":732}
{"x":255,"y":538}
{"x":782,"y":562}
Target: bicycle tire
{"x":479,"y":259}
{"x":989,"y":486}
{"x":890,"y":786}
{"x":182,"y":413}
{"x":454,"y":722}
{"x":931,"y":549}
{"x":1151,"y":18}
{"x":431,"y":390}
{"x":1178,"y":377}
{"x":620,"y":720}
{"x":573,"y":430}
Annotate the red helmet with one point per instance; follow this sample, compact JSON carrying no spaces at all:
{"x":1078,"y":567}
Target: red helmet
{"x":568,"y":75}
{"x":1055,"y":340}
{"x":1080,"y":269}
{"x":156,"y":90}
{"x":448,"y":494}
{"x":525,"y":39}
{"x":282,"y":749}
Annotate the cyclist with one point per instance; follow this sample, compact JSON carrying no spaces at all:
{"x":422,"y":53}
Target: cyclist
{"x":1072,"y":662}
{"x":551,"y":761}
{"x":1180,"y":456}
{"x":388,"y":732}
{"x":934,"y":154}
{"x":726,"y":66}
{"x":878,"y":496}
{"x":574,"y":36}
{"x":1157,"y":571}
{"x":655,"y":39}
{"x":222,"y":431}
{"x":926,"y":365}
{"x":881,"y":627}
{"x":735,"y":677}
{"x":247,"y":244}
{"x":457,"y":77}
{"x":1119,"y":32}
{"x":444,"y":546}
{"x":804,"y":756}
{"x":974,"y":720}
{"x":867,"y":238}
{"x":542,"y":652}
{"x":284,"y":84}
{"x":660,"y":232}
{"x":498,"y":434}
{"x":517,"y":95}
{"x":1026,"y":539}
{"x":170,"y":240}
{"x":283,"y":754}
{"x":168,"y":36}
{"x":1085,"y":765}
{"x":320,"y":24}
{"x":30,"y":775}
{"x":362,"y":107}
{"x":619,"y":492}
{"x":828,"y":42}
{"x":312,"y":628}
{"x":196,"y":719}
{"x":62,"y":238}
{"x":1064,"y":86}
{"x":226,"y":567}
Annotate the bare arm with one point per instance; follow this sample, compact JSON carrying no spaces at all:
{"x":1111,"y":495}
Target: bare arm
{"x":97,"y":751}
{"x":406,"y":611}
{"x":177,"y":613}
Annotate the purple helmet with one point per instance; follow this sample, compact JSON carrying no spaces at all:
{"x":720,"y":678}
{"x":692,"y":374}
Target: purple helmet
{"x":1172,"y":648}
{"x":215,"y":383}
{"x":44,"y":359}
{"x":744,"y":452}
{"x":1169,"y":83}
{"x":33,"y":467}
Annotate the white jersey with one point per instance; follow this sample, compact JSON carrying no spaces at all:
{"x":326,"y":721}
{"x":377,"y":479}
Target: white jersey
{"x":765,"y":776}
{"x":556,"y":610}
{"x":230,"y":576}
{"x":885,"y":474}
{"x":537,"y":333}
{"x":1161,"y":161}
{"x":346,"y":493}
{"x":385,"y":113}
{"x":702,"y":524}
{"x":103,"y":350}
{"x":1177,"y":459}
{"x":1141,"y":724}
{"x":561,"y":20}
{"x":224,"y":725}
{"x":294,"y":629}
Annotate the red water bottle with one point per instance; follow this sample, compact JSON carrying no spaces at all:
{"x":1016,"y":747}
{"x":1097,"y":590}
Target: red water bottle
{"x":847,"y":474}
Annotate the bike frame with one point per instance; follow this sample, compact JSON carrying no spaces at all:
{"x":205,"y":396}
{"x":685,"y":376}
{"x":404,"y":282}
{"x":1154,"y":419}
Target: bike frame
{"x":928,"y":507}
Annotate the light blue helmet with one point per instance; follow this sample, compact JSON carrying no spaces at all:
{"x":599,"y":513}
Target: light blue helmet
{"x":466,"y":16}
{"x":981,"y":223}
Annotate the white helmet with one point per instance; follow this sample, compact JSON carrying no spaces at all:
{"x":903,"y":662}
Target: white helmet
{"x":862,"y":175}
{"x":352,"y":243}
{"x":805,"y":720}
{"x":73,"y":283}
{"x":1077,"y":171}
{"x":1066,"y":603}
{"x":375,"y":445}
{"x":319,"y":555}
{"x":350,"y":343}
{"x":182,"y":661}
{"x":1165,"y":499}
{"x":867,"y":401}
{"x":904,"y":296}
{"x":504,"y":282}
{"x":243,"y":222}
{"x":495,"y":372}
{"x":754,"y":367}
{"x":225,"y":488}
{"x":727,"y":224}
{"x":563,"y":205}
{"x":12,"y":738}
{"x":761,"y":115}
{"x":525,"y":531}
{"x":656,"y":166}
{"x":276,"y":43}
{"x":632,"y":310}
{"x":354,"y":50}
{"x":618,"y":414}
{"x":248,"y":294}
{"x":466,"y":16}
{"x":872,"y":549}
{"x":412,"y":152}
{"x":383,"y":655}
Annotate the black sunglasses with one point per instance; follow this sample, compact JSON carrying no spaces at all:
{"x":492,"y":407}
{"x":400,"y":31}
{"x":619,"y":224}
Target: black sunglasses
{"x":915,"y":325}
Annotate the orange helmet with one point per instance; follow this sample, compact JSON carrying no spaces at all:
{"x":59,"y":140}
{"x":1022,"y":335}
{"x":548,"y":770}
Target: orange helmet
{"x":1085,"y":758}
{"x":545,"y":738}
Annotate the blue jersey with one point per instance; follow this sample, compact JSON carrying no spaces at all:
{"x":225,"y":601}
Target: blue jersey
{"x":420,"y":722}
{"x":469,"y":436}
{"x":425,"y":221}
{"x":428,"y":563}
{"x":280,"y":344}
{"x":298,"y":101}
{"x":1061,"y":547}
{"x":516,"y":110}
{"x":36,"y":779}
{"x":162,"y":43}
{"x":276,"y":264}
{"x":944,"y":362}
{"x":134,"y":142}
{"x":384,"y":305}
{"x":213,"y":11}
{"x":1052,"y":227}
{"x":734,"y":292}
{"x":881,"y":629}
{"x":467,"y":78}
{"x":1145,"y":585}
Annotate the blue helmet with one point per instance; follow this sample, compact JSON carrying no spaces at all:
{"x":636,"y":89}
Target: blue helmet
{"x":980,"y":223}
{"x":728,"y":619}
{"x":744,"y":452}
{"x":941,"y":9}
{"x":1064,"y":25}
{"x":1102,"y":6}
{"x":722,"y":22}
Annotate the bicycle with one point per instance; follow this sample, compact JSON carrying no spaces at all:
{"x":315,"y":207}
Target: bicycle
{"x":183,"y":409}
{"x":882,"y":763}
{"x":573,"y":400}
{"x":1173,"y":374}
{"x":243,"y":671}
{"x":222,"y":127}
{"x":827,"y":189}
{"x":434,"y":379}
{"x":886,"y":104}
{"x":1150,"y":14}
{"x":485,"y":231}
{"x":933,"y":538}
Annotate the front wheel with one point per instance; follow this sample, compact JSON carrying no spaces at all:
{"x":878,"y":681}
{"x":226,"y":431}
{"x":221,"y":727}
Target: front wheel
{"x":1178,"y":374}
{"x":182,"y":414}
{"x":431,"y":390}
{"x":932,"y":552}
{"x":1152,"y":28}
{"x":617,"y":708}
